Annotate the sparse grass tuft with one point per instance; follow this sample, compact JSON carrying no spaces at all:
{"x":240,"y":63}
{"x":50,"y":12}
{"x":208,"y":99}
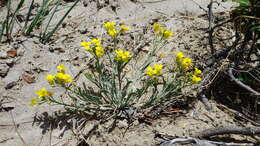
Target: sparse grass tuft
{"x":6,"y":28}
{"x":9,"y":21}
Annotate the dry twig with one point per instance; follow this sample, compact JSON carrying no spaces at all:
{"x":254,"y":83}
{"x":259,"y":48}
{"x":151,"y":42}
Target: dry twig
{"x":230,"y":73}
{"x":199,"y":142}
{"x":229,"y":130}
{"x":16,"y":130}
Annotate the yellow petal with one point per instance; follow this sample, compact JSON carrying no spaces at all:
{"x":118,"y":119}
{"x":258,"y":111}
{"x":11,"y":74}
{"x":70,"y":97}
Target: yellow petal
{"x":61,"y":68}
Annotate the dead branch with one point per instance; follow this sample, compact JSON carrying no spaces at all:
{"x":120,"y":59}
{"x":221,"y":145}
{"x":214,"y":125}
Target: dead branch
{"x":229,"y":130}
{"x":212,"y":27}
{"x":169,"y":140}
{"x":203,"y":86}
{"x":199,"y":142}
{"x":210,"y":30}
{"x":230,"y":73}
{"x":221,"y":23}
{"x":205,"y":101}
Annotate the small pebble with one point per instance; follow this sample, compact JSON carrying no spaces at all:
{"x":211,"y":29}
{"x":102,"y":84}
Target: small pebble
{"x":10,"y":85}
{"x":4,"y":69}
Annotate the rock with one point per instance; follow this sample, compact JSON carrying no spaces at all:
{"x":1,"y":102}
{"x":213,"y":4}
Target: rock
{"x":20,"y":52}
{"x":10,"y":85}
{"x":29,"y":78}
{"x":84,"y":31}
{"x":12,"y":53}
{"x":3,"y":55}
{"x":85,"y":3}
{"x":10,"y":62}
{"x":3,"y":70}
{"x":122,"y":124}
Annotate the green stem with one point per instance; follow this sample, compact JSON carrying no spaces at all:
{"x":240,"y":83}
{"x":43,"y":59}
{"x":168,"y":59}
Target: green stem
{"x":119,"y":70}
{"x":78,"y":107}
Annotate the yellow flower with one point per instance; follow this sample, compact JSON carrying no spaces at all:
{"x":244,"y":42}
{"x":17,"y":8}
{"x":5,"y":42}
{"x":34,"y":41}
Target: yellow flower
{"x":156,"y":27}
{"x":50,"y":79}
{"x":197,"y":72}
{"x":109,"y":25}
{"x":156,"y":71}
{"x":122,"y":56}
{"x":94,"y":46}
{"x":112,"y":32}
{"x":34,"y":101}
{"x":62,"y":68}
{"x":63,"y":78}
{"x":161,"y":31}
{"x":195,"y":79}
{"x":186,"y":63}
{"x":150,"y":71}
{"x":167,"y":34}
{"x":158,"y":68}
{"x":43,"y":93}
{"x":86,"y":45}
{"x":124,"y":28}
{"x":179,"y":55}
{"x":99,"y":51}
{"x":96,"y":42}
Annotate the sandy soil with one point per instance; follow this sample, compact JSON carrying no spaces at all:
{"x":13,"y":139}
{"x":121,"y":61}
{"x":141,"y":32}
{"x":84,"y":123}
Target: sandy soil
{"x":31,"y":125}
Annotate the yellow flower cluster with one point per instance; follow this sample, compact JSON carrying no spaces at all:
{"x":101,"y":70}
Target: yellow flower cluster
{"x":60,"y":78}
{"x":61,"y":68}
{"x":160,"y":31}
{"x":154,"y":71}
{"x":185,"y":64}
{"x":94,"y":46}
{"x":122,"y":56}
{"x":42,"y":95}
{"x":112,"y":30}
{"x":196,"y":76}
{"x":63,"y":78}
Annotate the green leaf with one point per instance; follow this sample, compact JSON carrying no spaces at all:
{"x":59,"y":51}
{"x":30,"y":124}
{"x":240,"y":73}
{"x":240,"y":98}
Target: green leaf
{"x":255,"y":28}
{"x":243,"y":2}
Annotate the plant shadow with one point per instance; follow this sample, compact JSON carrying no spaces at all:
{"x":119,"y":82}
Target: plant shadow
{"x":69,"y":120}
{"x":61,"y":120}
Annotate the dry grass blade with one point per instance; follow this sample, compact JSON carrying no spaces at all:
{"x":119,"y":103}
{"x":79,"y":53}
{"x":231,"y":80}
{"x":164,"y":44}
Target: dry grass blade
{"x":16,"y":129}
{"x":39,"y":16}
{"x":46,"y":37}
{"x":14,"y":15}
{"x":54,"y":11}
{"x":28,"y":16}
{"x":9,"y":21}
